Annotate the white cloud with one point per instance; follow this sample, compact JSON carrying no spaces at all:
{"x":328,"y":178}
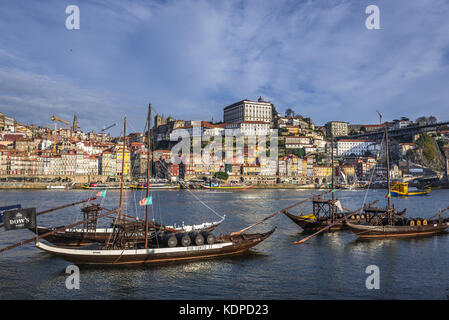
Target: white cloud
{"x":191,"y":58}
{"x":33,"y":98}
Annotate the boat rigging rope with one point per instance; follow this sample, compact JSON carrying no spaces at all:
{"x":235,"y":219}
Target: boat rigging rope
{"x":132,"y":167}
{"x":216,"y":213}
{"x":160,"y":212}
{"x":166,"y":168}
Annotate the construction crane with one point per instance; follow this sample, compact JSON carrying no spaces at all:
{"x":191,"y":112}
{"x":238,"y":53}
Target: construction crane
{"x":106,"y":128}
{"x":55,"y":120}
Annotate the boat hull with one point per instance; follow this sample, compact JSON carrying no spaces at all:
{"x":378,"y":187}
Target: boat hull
{"x":382,"y":232}
{"x":78,"y":238}
{"x":410,"y":194}
{"x":224,"y":246}
{"x":314,"y":225}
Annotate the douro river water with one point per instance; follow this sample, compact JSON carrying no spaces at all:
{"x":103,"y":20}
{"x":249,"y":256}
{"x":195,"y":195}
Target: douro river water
{"x":329,"y":266}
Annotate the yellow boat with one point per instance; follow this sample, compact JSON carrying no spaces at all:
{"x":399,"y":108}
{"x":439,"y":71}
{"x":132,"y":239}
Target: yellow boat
{"x":401,"y":189}
{"x":309,"y":216}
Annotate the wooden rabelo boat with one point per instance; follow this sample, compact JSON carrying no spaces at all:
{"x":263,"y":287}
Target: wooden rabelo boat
{"x":159,"y":252}
{"x":329,"y":214}
{"x":325,"y":215}
{"x":90,"y":233}
{"x":400,"y":228}
{"x":325,"y":212}
{"x":393,"y":225}
{"x":125,"y":245}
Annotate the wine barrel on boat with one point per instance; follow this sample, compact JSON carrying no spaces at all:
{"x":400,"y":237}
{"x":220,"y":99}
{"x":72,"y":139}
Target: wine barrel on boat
{"x":171,"y":240}
{"x":184,"y":239}
{"x":168,"y":239}
{"x":209,"y":237}
{"x":197,"y":238}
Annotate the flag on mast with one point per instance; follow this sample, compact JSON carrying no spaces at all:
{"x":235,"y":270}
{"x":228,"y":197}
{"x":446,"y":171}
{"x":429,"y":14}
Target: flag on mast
{"x":388,"y":195}
{"x":146,"y":201}
{"x":101,"y":193}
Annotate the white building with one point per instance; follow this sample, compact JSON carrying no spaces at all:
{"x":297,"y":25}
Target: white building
{"x":198,"y":129}
{"x":320,"y":144}
{"x":82,"y":163}
{"x":247,"y":110}
{"x":403,"y":123}
{"x":68,"y":162}
{"x":337,"y":128}
{"x":269,"y":168}
{"x":295,"y":142}
{"x":357,"y":147}
{"x":7,"y":123}
{"x":45,"y":144}
{"x":248,"y":128}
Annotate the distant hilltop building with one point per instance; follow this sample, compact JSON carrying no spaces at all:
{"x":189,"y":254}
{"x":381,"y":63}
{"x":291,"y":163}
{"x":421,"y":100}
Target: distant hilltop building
{"x":247,"y":110}
{"x":162,"y":127}
{"x":249,"y":116}
{"x":7,"y":123}
{"x":402,"y":123}
{"x":296,"y":121}
{"x":75,"y":126}
{"x":337,"y":128}
{"x":160,"y":120}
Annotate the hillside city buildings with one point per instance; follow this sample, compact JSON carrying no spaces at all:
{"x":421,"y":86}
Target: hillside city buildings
{"x":304,"y":149}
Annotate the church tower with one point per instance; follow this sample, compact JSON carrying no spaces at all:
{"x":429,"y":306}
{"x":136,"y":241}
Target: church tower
{"x":75,"y":123}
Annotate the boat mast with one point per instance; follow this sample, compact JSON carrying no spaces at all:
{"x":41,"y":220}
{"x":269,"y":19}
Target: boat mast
{"x":388,"y":166}
{"x":332,"y":160}
{"x":148,"y":173}
{"x":123,"y":167}
{"x":332,"y":207}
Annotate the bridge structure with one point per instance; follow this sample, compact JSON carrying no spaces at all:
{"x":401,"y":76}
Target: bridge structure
{"x":396,"y":133}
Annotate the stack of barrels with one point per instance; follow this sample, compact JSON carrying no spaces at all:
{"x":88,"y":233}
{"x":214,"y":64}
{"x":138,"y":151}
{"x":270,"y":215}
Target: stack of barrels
{"x":418,"y":222}
{"x":184,"y":239}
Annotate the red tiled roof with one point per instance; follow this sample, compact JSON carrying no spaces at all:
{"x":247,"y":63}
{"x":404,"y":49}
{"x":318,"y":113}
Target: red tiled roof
{"x":13,"y":137}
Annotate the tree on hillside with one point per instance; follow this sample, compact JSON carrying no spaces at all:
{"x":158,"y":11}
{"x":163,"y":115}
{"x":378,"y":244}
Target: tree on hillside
{"x":300,"y":152}
{"x":274,"y":112}
{"x":289,"y":112}
{"x":221,"y":175}
{"x":432,"y":120}
{"x":421,"y":119}
{"x":427,"y":144}
{"x":425,"y":120}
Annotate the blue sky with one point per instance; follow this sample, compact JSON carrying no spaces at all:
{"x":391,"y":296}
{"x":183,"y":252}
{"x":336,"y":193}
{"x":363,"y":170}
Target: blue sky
{"x":192,"y":58}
